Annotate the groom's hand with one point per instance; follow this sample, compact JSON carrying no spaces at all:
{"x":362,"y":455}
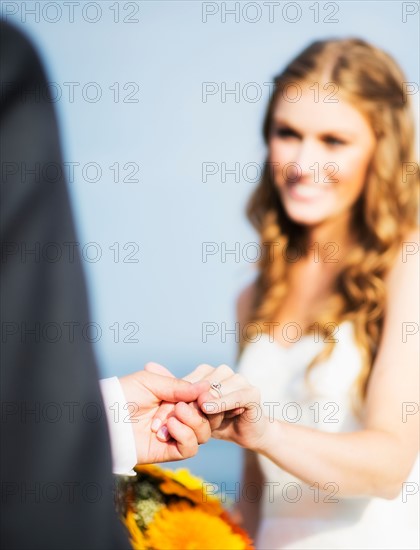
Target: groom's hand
{"x":145,"y":391}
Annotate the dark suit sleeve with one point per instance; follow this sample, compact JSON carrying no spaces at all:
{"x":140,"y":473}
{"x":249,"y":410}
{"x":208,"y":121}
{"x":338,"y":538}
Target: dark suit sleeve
{"x":56,"y":478}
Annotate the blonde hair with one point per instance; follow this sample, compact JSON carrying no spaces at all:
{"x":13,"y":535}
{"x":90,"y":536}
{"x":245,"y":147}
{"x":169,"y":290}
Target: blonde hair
{"x":386,"y":210}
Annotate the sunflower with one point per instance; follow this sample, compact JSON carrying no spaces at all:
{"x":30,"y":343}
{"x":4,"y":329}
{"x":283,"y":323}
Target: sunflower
{"x":137,"y":539}
{"x":170,"y":509}
{"x":181,"y":475}
{"x":185,"y":477}
{"x":183,"y":484}
{"x":236,"y":529}
{"x":205,"y":532}
{"x":197,"y":496}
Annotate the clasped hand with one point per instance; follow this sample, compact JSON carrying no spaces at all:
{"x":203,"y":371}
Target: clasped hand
{"x":173,"y":416}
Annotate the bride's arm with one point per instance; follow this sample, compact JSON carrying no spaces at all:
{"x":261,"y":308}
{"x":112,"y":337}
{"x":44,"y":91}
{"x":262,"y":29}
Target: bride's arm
{"x":375,"y":460}
{"x":249,"y":509}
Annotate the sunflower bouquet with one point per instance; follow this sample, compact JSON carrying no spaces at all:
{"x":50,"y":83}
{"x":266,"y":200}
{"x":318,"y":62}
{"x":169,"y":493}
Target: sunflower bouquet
{"x":165,"y":509}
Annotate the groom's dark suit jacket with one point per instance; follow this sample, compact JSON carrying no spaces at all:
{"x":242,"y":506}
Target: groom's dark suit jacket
{"x":56,"y":480}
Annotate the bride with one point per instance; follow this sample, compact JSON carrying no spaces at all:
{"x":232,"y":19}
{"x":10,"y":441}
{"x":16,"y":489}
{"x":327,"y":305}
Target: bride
{"x":326,"y":324}
{"x":326,"y":400}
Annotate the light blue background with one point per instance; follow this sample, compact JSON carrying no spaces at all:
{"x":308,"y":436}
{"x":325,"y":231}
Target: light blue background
{"x":170,"y":132}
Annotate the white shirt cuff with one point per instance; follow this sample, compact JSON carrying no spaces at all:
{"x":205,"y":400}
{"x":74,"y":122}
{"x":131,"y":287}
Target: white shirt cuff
{"x":123,"y":447}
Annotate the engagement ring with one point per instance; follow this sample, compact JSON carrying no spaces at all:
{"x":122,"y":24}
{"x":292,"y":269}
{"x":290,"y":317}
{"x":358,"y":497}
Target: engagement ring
{"x":217,"y":387}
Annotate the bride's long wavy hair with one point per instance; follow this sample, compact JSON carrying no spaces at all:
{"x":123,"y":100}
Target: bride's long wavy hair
{"x":387,"y":209}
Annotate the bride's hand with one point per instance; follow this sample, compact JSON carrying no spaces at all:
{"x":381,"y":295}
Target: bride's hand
{"x":234,"y":410}
{"x":235,"y":414}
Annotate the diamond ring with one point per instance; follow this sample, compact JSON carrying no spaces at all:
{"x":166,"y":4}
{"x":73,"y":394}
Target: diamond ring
{"x":217,"y":386}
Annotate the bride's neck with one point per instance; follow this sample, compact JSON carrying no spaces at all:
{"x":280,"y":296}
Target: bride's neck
{"x":332,"y":238}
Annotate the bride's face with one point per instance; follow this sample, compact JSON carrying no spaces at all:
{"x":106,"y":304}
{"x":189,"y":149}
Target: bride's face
{"x":320,"y":153}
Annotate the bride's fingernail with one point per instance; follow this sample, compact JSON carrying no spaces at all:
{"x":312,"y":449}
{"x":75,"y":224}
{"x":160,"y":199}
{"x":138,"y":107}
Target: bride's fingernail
{"x":163,"y":433}
{"x":209,"y":407}
{"x":156,"y":424}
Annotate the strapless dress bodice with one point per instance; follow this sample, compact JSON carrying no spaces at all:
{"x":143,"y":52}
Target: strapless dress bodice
{"x":296,"y":516}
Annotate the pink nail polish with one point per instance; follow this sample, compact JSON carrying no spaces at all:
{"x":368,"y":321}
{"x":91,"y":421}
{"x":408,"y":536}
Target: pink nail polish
{"x":163,"y":433}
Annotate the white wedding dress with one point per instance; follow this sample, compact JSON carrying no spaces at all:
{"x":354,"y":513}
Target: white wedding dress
{"x":295,"y":516}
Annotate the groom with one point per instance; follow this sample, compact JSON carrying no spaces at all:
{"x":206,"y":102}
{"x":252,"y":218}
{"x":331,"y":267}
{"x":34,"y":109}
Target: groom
{"x":62,"y":431}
